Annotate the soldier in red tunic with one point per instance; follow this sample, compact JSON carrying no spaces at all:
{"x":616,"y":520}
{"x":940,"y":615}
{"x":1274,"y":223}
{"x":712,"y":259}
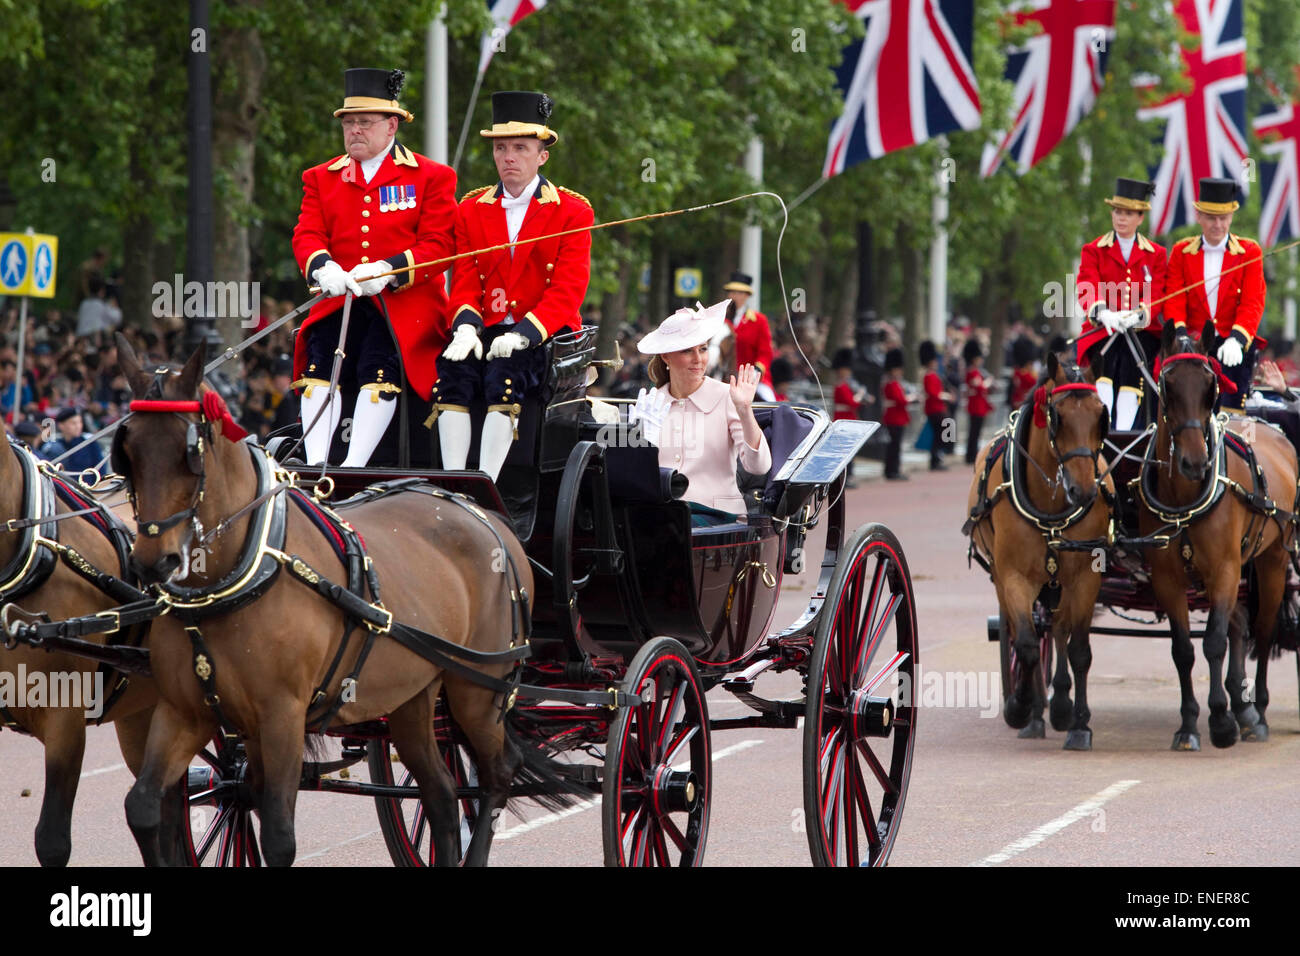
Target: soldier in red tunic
{"x":896,"y":417}
{"x":1120,"y":274}
{"x":752,"y":331}
{"x":977,"y":396}
{"x":936,"y":403}
{"x":376,"y":208}
{"x":1232,"y":296}
{"x":1023,"y":376}
{"x":506,"y":303}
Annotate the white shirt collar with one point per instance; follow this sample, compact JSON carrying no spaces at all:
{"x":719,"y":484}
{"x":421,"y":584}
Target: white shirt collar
{"x":371,"y":166}
{"x":524,"y":197}
{"x":1205,"y":244}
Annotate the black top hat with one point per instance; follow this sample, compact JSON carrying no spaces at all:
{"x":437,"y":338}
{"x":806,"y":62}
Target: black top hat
{"x":971,"y":350}
{"x":928,"y":352}
{"x":1217,"y":196}
{"x":893,"y":359}
{"x":740,"y":282}
{"x":843,"y":358}
{"x":373,"y":91}
{"x":520,"y":113}
{"x":1132,"y":194}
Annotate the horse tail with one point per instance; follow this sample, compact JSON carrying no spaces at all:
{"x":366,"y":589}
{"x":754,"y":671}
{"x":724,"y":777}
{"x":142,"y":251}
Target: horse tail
{"x":549,"y":783}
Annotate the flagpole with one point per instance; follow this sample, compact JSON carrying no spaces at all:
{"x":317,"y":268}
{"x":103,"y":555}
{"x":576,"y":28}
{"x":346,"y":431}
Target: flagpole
{"x":939,"y":249}
{"x":808,"y":192}
{"x":469,"y":114}
{"x":751,"y":234}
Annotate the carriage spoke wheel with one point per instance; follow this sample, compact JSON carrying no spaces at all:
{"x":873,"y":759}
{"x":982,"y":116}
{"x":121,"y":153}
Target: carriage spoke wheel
{"x":859,"y":734}
{"x":403,"y":822}
{"x":657,"y":783}
{"x":221,"y":826}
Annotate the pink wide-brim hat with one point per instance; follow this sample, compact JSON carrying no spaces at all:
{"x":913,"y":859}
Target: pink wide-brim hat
{"x":685,"y":329}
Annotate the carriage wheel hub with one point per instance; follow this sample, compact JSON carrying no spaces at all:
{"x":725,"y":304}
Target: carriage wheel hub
{"x":870,"y":716}
{"x":675,"y":791}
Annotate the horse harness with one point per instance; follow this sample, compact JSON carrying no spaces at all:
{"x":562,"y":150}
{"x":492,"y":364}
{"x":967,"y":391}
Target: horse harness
{"x":263,"y":556}
{"x":1010,"y":447}
{"x":39,"y":551}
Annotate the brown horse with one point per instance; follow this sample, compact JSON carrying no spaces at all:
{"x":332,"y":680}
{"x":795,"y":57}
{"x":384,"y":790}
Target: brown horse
{"x":1035,"y":490}
{"x":1204,"y":502}
{"x":63,"y":593}
{"x":440,"y":566}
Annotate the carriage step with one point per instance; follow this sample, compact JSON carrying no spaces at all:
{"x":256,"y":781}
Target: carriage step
{"x":783,"y":710}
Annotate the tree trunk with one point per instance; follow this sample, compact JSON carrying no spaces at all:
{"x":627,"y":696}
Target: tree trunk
{"x":613,"y":305}
{"x":138,"y":272}
{"x":843,"y":311}
{"x":237,"y":88}
{"x":660,"y":284}
{"x":911,"y":260}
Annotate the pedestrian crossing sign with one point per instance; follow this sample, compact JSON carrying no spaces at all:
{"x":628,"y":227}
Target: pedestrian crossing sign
{"x":28,"y":264}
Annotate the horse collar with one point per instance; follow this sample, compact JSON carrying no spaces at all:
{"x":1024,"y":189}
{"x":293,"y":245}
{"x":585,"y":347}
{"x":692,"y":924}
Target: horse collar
{"x":1210,"y":494}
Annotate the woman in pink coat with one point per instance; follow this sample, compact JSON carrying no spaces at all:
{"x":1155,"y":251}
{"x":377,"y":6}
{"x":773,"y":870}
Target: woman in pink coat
{"x":701,"y":425}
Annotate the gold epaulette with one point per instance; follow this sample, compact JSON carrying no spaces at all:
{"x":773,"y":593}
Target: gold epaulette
{"x":1235,"y":248}
{"x":475,"y":192}
{"x":339,"y":163}
{"x":564,"y":189}
{"x":1191,"y":245}
{"x":1106,"y":241}
{"x":1145,"y":244}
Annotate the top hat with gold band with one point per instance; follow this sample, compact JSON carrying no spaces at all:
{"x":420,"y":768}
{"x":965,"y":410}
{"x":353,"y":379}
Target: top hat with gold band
{"x":373,"y":91}
{"x":740,"y":282}
{"x":519,"y":113}
{"x":1217,"y":196}
{"x":1132,"y":194}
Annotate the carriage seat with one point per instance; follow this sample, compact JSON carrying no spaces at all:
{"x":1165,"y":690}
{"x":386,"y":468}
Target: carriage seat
{"x":784,"y":428}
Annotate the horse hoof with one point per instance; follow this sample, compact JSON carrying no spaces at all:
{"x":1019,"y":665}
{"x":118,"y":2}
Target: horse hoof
{"x":1186,"y":741}
{"x":1062,"y":713}
{"x":1078,"y":740}
{"x":1223,"y":730}
{"x":1034,"y":730}
{"x":1255,"y":733}
{"x":1015,"y":713}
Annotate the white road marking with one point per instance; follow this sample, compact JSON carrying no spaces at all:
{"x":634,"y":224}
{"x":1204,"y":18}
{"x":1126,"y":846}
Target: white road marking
{"x":1088,"y":807}
{"x":541,"y":821}
{"x":334,"y":846}
{"x":96,"y":773}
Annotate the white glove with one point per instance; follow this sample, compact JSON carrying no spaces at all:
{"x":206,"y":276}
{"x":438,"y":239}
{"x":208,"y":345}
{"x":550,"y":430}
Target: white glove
{"x":334,"y":281}
{"x":362,"y":273}
{"x":650,"y":410}
{"x":507,"y":343}
{"x":1110,"y":320}
{"x":1230,"y":353}
{"x":463,"y":341}
{"x":1128,"y":320}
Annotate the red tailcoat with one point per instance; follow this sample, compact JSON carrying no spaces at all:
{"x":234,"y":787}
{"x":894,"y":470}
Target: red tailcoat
{"x":754,"y":343}
{"x":1104,"y":276}
{"x":543,"y":284}
{"x":1240,"y":302}
{"x":341,"y":220}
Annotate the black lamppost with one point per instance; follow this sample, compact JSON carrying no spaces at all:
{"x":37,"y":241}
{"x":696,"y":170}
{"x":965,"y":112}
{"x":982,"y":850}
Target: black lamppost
{"x":199,"y":250}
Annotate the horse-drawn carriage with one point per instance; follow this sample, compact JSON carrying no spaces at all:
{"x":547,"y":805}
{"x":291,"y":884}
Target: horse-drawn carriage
{"x":1196,"y":513}
{"x":603,"y":621}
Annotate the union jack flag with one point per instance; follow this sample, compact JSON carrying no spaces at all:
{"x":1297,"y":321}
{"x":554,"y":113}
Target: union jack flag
{"x":1204,"y":128}
{"x":505,"y":14}
{"x":908,"y":80}
{"x":1279,"y":134}
{"x":1057,"y":76}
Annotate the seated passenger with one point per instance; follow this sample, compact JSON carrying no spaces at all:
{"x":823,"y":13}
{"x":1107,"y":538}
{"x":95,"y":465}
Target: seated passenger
{"x":701,"y":424}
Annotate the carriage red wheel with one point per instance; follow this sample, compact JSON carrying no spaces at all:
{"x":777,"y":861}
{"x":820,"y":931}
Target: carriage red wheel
{"x":221,"y":829}
{"x":403,"y":823}
{"x":858,"y":739}
{"x":657,"y":784}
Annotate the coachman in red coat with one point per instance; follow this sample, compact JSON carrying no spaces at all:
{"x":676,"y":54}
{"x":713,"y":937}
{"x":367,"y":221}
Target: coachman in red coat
{"x":377,"y":208}
{"x":507,"y":302}
{"x":1230,"y":300}
{"x":1120,"y":274}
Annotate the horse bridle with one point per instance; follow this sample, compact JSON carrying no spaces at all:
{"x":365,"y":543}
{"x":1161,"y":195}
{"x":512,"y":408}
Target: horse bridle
{"x":197,"y":434}
{"x":1054,"y":422}
{"x":1206,"y":426}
